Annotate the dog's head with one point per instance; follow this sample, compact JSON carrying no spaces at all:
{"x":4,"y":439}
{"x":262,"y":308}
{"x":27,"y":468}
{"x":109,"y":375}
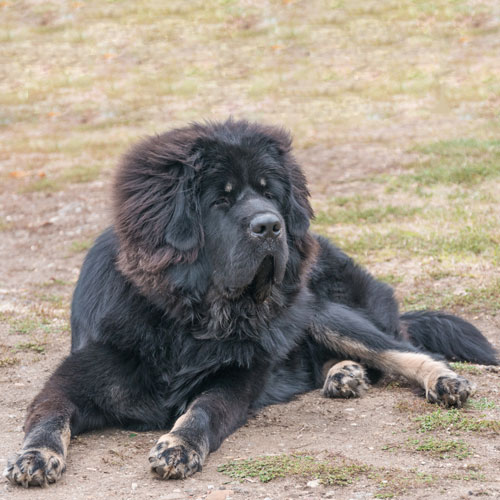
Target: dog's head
{"x":225,"y":201}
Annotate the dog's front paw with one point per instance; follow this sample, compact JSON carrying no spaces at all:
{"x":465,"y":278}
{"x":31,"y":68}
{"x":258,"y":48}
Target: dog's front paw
{"x":174,"y":458}
{"x":35,"y":467}
{"x":346,"y":379}
{"x":450,"y":390}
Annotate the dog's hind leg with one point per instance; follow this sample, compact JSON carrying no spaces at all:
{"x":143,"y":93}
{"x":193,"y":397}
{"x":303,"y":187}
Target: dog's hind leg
{"x":344,"y":379}
{"x":347,"y":333}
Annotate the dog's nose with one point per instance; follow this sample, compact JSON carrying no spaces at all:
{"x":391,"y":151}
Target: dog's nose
{"x":265,"y":225}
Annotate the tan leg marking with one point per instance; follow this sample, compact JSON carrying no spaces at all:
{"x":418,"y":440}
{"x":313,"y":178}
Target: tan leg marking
{"x":346,"y":379}
{"x":38,"y":466}
{"x":327,"y":365}
{"x":441,"y":384}
{"x":172,"y":457}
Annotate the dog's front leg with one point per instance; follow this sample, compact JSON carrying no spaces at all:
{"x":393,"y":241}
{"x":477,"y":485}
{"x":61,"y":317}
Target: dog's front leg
{"x":42,"y":459}
{"x":210,"y":418}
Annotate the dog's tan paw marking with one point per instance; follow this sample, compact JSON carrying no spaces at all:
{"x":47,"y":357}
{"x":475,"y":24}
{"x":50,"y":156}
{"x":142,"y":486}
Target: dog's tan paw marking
{"x":345,"y":380}
{"x":35,"y":467}
{"x":450,"y":390}
{"x":173,"y":458}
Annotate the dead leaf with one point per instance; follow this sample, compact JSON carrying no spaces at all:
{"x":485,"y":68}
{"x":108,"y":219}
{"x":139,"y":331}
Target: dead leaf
{"x":19,"y":174}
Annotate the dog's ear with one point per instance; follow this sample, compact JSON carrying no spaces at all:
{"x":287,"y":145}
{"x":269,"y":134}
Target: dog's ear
{"x":298,"y":211}
{"x":183,"y":230}
{"x":298,"y":214}
{"x":157,"y":209}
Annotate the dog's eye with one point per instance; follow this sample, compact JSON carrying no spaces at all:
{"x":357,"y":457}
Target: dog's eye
{"x":221,"y":202}
{"x":269,"y":195}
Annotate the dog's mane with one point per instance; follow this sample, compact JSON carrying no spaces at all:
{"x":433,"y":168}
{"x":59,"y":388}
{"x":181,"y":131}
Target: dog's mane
{"x":155,"y":193}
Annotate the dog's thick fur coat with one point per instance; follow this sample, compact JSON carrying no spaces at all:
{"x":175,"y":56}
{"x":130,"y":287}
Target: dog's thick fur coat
{"x":210,"y":298}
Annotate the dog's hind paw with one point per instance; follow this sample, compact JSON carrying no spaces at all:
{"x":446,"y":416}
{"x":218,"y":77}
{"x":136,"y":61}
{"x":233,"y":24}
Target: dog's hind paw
{"x":173,"y":458}
{"x":35,"y":467}
{"x":451,"y":391}
{"x":346,"y":379}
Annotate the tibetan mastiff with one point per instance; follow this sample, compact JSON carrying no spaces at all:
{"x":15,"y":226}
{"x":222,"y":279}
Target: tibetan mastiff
{"x":210,"y":298}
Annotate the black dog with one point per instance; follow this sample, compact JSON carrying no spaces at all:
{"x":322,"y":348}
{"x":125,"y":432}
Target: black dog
{"x":209,"y":298}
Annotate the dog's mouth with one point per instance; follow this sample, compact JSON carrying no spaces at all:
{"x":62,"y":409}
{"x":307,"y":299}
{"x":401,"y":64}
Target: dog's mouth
{"x":269,"y":273}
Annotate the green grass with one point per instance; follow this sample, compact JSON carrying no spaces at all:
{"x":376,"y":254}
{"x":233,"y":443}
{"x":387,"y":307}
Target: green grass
{"x":455,"y":420}
{"x":28,"y":324}
{"x":30,"y":346}
{"x":274,"y":65}
{"x":8,"y":361}
{"x":474,"y":475}
{"x":464,"y":161}
{"x":465,"y":241}
{"x":465,"y":368}
{"x":356,"y":213}
{"x":55,"y":282}
{"x":80,"y":246}
{"x":5,"y":225}
{"x":447,"y":224}
{"x":268,"y":468}
{"x":481,"y":404}
{"x":441,"y":448}
{"x":396,"y":483}
{"x":390,"y":278}
{"x":52,"y":299}
{"x":474,"y":299}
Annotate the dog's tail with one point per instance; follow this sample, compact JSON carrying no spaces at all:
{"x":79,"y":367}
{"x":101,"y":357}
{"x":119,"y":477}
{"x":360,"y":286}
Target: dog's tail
{"x":453,"y":337}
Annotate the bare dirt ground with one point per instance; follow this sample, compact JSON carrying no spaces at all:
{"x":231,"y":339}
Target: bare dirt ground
{"x":365,"y":88}
{"x":373,"y":431}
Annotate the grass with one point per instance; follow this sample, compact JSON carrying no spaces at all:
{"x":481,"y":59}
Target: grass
{"x":274,"y":64}
{"x":464,"y":161}
{"x":394,"y":483}
{"x":57,"y":182}
{"x":387,"y":483}
{"x":465,"y":368}
{"x":267,"y":468}
{"x":439,"y":212}
{"x":441,"y":448}
{"x":455,"y":420}
{"x":474,"y":299}
{"x":80,"y":246}
{"x":355,"y":212}
{"x":5,"y":225}
{"x":474,"y":475}
{"x":8,"y":361}
{"x":481,"y":404}
{"x":453,"y":239}
{"x":27,"y":325}
{"x":54,"y":282}
{"x":53,"y":299}
{"x":30,"y":346}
